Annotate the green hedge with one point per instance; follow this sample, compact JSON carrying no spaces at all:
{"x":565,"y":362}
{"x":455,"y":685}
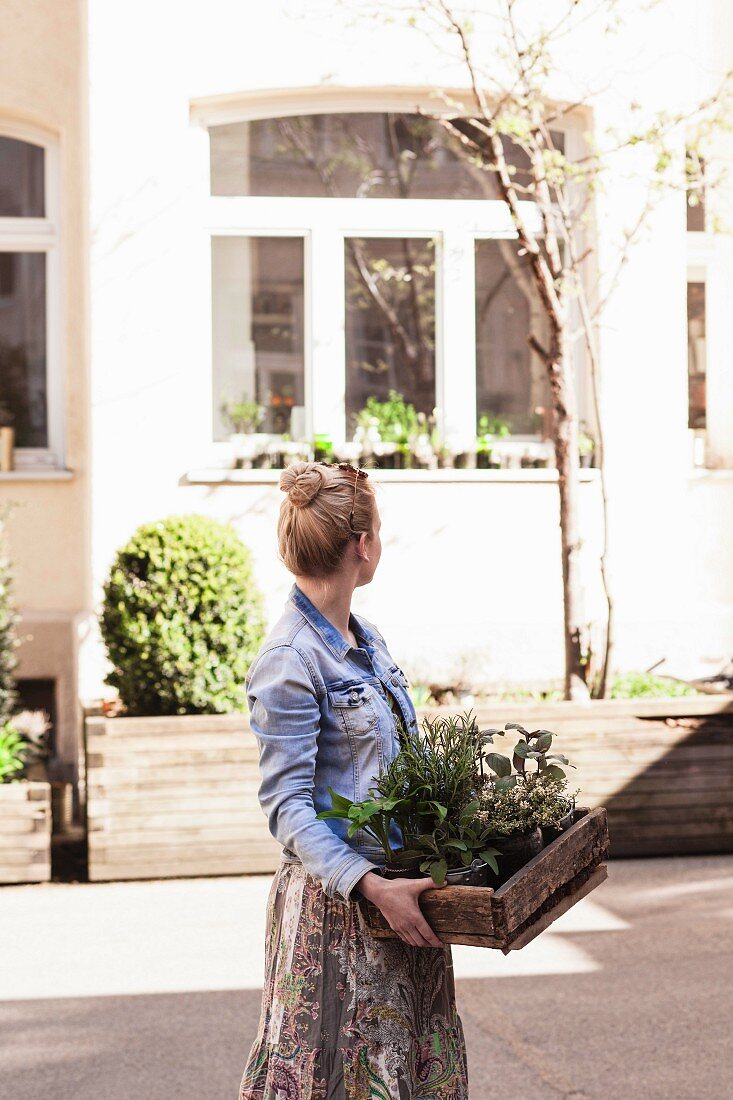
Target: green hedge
{"x":182,"y":618}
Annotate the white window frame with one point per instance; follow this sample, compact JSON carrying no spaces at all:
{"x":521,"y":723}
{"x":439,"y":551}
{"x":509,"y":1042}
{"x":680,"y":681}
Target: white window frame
{"x":43,"y":235}
{"x":324,"y":223}
{"x":701,"y":254}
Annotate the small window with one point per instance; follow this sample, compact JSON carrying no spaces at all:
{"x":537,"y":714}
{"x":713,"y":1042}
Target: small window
{"x":512,"y":394}
{"x":696,"y":355}
{"x":258,"y":335}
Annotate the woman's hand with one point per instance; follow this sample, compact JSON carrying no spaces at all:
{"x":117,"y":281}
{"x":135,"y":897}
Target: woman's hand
{"x":397,"y":900}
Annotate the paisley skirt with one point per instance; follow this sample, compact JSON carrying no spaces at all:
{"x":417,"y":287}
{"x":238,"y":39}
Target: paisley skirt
{"x":346,"y":1016}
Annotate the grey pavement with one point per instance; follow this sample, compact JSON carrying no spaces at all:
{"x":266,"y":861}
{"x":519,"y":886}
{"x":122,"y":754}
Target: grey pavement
{"x":151,"y":991}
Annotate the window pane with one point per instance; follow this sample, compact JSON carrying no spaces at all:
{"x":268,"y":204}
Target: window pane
{"x":21,"y":179}
{"x":696,"y":354}
{"x":390,"y":322}
{"x":258,"y":332}
{"x":511,"y":380}
{"x":351,"y":155}
{"x":23,"y":344}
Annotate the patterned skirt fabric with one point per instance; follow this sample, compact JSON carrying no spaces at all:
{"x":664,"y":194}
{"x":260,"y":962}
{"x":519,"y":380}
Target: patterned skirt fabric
{"x":346,"y":1016}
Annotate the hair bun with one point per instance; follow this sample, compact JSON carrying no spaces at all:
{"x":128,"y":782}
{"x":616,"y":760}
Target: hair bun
{"x":302,"y":481}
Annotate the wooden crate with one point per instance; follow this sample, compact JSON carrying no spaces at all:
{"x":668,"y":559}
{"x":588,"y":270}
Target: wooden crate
{"x":25,"y":832}
{"x":514,"y":914}
{"x":170,"y":797}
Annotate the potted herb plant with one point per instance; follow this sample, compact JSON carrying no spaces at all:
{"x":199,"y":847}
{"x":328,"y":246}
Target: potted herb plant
{"x":245,"y":417}
{"x":586,"y":446}
{"x":428,"y":791}
{"x":519,"y":800}
{"x":395,"y":422}
{"x":490,"y":428}
{"x":458,"y":851}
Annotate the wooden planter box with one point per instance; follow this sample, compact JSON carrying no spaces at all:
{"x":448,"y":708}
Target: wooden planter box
{"x":25,"y":832}
{"x":170,"y":797}
{"x":663,"y":768}
{"x":511,"y":916}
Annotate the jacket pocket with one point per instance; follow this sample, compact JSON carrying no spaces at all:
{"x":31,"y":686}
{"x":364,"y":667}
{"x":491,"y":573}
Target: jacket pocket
{"x":355,"y":707}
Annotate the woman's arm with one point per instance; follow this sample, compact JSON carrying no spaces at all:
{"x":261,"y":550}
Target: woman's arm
{"x":285,"y":718}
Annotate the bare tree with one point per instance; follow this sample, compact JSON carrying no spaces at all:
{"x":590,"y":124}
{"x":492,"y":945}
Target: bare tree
{"x":506,"y":120}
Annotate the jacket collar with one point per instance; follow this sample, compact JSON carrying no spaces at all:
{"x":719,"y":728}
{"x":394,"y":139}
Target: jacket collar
{"x":333,"y":638}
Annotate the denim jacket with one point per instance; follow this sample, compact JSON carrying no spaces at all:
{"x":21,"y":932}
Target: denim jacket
{"x":320,"y":712}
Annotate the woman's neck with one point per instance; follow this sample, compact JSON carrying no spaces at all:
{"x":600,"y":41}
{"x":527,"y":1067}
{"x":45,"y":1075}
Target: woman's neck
{"x":331,"y":598}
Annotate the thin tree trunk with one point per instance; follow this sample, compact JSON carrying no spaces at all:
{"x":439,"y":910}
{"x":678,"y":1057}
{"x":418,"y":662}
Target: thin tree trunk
{"x":565,"y":438}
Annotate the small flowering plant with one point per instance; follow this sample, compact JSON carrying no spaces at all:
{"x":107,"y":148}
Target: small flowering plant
{"x":536,"y":799}
{"x":528,"y":789}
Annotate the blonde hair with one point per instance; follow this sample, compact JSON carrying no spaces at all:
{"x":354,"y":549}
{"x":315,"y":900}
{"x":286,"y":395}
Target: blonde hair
{"x":313,"y":526}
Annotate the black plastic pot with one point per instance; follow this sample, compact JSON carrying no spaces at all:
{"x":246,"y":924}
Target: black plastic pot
{"x":550,"y":833}
{"x":515,"y":850}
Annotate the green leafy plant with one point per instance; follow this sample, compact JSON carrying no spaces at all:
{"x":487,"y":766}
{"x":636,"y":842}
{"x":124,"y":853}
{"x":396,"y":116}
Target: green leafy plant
{"x":33,"y":727}
{"x":396,"y":421}
{"x":531,"y":748}
{"x":492,"y":426}
{"x":644,"y":685}
{"x":12,"y":754}
{"x":243,"y":416}
{"x":586,"y":442}
{"x":182,"y":618}
{"x":453,"y":844}
{"x":527,"y":789}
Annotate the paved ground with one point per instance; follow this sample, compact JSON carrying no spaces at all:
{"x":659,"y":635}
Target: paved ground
{"x":151,"y":991}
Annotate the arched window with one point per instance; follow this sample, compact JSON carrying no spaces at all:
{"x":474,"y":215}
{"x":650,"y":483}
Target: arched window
{"x":361,"y":252}
{"x":28,"y":277}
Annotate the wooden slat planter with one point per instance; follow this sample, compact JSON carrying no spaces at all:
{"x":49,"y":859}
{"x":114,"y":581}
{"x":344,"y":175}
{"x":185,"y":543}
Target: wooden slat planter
{"x":663,"y":768}
{"x":25,"y":832}
{"x":178,"y":796}
{"x":170,"y":797}
{"x":514,"y":914}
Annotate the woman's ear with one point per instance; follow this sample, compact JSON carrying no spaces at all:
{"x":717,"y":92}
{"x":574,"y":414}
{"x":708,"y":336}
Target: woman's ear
{"x":361,"y":546}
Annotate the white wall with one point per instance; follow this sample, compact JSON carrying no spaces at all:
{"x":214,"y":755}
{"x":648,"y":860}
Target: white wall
{"x":482,"y":584}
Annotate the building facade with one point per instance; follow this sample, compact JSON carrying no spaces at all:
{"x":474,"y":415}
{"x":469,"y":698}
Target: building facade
{"x":276,"y":223}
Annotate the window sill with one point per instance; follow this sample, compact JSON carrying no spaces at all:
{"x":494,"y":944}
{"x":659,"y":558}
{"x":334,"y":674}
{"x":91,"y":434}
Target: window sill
{"x":272,"y":477}
{"x":36,"y":473}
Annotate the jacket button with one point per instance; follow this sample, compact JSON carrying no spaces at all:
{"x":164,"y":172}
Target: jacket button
{"x":395,"y":681}
{"x":354,"y":696}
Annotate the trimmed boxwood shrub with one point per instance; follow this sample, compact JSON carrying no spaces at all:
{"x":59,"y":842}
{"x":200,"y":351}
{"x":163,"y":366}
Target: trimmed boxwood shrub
{"x":182,"y":618}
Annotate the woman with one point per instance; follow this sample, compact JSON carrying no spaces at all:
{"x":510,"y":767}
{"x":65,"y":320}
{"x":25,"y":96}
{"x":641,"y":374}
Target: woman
{"x":344,"y":1016}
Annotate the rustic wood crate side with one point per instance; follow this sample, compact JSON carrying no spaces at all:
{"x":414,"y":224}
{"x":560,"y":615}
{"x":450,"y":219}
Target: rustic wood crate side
{"x":584,"y":844}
